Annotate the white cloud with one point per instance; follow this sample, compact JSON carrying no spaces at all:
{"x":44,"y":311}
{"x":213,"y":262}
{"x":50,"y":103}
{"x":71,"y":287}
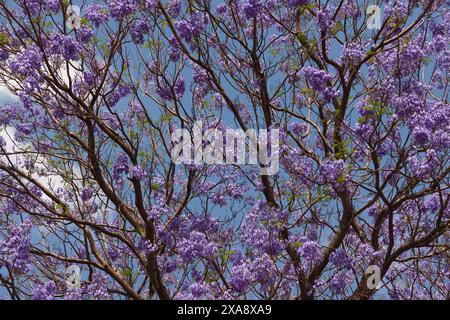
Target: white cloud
{"x":15,"y":155}
{"x":6,"y":95}
{"x":15,"y":151}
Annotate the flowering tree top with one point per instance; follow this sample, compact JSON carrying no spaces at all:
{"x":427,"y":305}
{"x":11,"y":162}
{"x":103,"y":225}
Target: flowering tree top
{"x":346,"y":101}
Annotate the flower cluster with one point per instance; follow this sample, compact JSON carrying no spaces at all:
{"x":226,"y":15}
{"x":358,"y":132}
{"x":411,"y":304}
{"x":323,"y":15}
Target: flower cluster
{"x":164,"y":90}
{"x":241,"y":277}
{"x":53,"y":5}
{"x":310,"y":251}
{"x":260,"y":227}
{"x":340,"y":281}
{"x":140,"y":28}
{"x":27,"y":62}
{"x":333,"y":171}
{"x":324,"y":19}
{"x":84,"y":34}
{"x":320,"y":80}
{"x":139,"y":173}
{"x":179,"y":87}
{"x":97,"y":14}
{"x":120,"y":8}
{"x":120,"y":166}
{"x":340,"y":259}
{"x":252,"y":8}
{"x":191,"y":28}
{"x":15,"y":250}
{"x":45,"y":291}
{"x":352,"y":53}
{"x":4,"y":55}
{"x":64,"y":45}
{"x":196,"y":245}
{"x":86,"y":194}
{"x":296,"y":3}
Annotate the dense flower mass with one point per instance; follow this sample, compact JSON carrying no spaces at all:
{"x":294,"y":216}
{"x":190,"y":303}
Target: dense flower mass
{"x":45,"y":291}
{"x":295,"y":3}
{"x":15,"y":249}
{"x":96,"y":13}
{"x":193,"y":27}
{"x":65,"y":46}
{"x":120,"y":8}
{"x":26,"y":62}
{"x":320,"y":82}
{"x":95,"y":116}
{"x":141,"y":27}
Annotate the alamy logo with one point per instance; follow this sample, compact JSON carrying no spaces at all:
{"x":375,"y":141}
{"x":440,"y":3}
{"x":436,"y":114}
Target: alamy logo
{"x":232,"y":146}
{"x":373,"y":13}
{"x":73,"y":277}
{"x":373,"y":274}
{"x":73,"y":20}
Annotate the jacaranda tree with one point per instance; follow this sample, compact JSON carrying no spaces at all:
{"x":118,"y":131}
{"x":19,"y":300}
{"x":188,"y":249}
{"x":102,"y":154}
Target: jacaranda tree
{"x":88,"y":182}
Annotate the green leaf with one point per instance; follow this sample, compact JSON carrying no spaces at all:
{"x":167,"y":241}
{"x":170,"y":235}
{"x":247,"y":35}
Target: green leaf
{"x":128,"y":273}
{"x":4,"y":40}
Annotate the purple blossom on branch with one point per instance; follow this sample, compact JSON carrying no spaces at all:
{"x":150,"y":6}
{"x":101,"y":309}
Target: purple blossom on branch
{"x":96,"y":13}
